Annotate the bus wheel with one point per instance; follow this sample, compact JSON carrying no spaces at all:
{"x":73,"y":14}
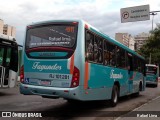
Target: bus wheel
{"x":71,"y":101}
{"x":114,"y":99}
{"x":136,"y":94}
{"x":139,"y":89}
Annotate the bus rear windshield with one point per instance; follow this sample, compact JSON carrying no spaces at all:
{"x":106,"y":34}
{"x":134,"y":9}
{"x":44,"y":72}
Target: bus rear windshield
{"x":57,"y":35}
{"x":151,"y":69}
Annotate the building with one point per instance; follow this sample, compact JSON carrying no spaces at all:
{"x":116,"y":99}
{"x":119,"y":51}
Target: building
{"x":9,"y":30}
{"x":132,"y":43}
{"x":126,"y":39}
{"x":1,"y":26}
{"x":141,"y":39}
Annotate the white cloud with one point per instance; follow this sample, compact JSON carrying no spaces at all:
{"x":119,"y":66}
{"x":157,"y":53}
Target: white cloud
{"x":103,"y":14}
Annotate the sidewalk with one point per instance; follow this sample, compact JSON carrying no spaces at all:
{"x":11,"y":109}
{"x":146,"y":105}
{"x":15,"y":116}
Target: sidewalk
{"x":148,"y":111}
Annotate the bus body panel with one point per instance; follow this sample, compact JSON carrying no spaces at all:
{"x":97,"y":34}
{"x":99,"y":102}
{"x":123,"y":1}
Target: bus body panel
{"x":134,"y":80}
{"x":51,"y":70}
{"x":65,"y":65}
{"x":105,"y":77}
{"x":13,"y":76}
{"x":151,"y":79}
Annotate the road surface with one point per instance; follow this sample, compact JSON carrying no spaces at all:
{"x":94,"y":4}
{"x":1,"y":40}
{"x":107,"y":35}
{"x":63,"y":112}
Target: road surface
{"x":12,"y":100}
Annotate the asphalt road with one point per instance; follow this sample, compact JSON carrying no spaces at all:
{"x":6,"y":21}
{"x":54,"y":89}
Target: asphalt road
{"x":12,"y":100}
{"x":148,"y":111}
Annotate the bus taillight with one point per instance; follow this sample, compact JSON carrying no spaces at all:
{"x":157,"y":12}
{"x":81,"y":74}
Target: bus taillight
{"x":22,"y":74}
{"x":75,"y":78}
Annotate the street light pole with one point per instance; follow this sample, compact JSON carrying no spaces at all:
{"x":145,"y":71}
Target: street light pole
{"x":153,"y":13}
{"x":150,"y":58}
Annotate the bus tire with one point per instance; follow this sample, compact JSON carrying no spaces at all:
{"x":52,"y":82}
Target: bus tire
{"x":115,"y":95}
{"x":136,"y":94}
{"x":139,"y":89}
{"x":71,"y":101}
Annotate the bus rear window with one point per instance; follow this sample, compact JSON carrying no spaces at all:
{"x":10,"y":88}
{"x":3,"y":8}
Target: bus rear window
{"x":151,"y":69}
{"x":57,"y":35}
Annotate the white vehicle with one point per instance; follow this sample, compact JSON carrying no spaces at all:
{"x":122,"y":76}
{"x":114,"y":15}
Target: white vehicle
{"x":8,"y":61}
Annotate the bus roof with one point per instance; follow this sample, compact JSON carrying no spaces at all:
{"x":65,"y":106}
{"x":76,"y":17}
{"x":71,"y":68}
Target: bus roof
{"x":151,"y":65}
{"x":96,"y":31}
{"x":6,"y":37}
{"x":50,"y":21}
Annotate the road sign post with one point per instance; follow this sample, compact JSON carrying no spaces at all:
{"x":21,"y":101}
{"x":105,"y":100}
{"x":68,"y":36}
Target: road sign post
{"x":137,"y":13}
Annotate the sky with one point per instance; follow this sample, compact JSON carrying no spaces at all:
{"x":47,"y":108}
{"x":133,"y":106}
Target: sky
{"x":102,"y":14}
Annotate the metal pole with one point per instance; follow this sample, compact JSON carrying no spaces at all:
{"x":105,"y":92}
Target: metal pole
{"x":153,"y":13}
{"x":152,"y":22}
{"x":150,"y":59}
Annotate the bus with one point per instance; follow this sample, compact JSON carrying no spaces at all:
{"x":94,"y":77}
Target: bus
{"x":74,"y":60}
{"x":152,"y":74}
{"x":8,"y":61}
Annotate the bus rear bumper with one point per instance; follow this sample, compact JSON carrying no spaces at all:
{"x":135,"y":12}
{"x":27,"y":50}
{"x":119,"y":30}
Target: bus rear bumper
{"x":151,"y":82}
{"x":49,"y":92}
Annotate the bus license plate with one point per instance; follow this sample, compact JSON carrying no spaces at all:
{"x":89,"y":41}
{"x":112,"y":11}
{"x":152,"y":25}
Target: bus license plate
{"x":45,"y":82}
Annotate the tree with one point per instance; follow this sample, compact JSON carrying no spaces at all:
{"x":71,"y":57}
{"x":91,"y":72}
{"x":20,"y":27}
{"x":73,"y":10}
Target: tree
{"x":152,"y":47}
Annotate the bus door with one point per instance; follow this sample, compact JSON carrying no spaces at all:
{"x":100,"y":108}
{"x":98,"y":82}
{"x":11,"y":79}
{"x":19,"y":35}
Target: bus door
{"x":130,"y":73}
{"x":6,"y":74}
{"x":2,"y":69}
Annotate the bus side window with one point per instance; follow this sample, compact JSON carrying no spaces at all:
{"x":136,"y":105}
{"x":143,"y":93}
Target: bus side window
{"x":135,"y":64}
{"x":112,"y":55}
{"x":106,"y":53}
{"x":89,"y":46}
{"x":96,"y":49}
{"x":100,"y":51}
{"x":8,"y":57}
{"x":98,"y":54}
{"x":120,"y":57}
{"x":1,"y":55}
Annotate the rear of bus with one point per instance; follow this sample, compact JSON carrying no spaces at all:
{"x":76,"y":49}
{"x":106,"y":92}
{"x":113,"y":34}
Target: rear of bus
{"x":152,"y":73}
{"x":53,"y":60}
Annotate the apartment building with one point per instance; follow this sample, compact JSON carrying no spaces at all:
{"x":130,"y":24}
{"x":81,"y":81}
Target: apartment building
{"x":9,"y":30}
{"x":141,"y":39}
{"x":1,"y":26}
{"x":126,"y":39}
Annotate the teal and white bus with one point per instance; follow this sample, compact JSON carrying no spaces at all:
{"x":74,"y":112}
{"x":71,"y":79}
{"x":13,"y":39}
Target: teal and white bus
{"x":152,"y":74}
{"x":73,"y":60}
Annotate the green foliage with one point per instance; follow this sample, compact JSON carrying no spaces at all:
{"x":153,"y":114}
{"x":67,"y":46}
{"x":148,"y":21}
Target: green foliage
{"x":152,"y":47}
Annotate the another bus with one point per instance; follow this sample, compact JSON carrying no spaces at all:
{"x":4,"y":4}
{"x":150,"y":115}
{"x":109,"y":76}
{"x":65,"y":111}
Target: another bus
{"x":75,"y":61}
{"x":152,"y":74}
{"x":8,"y":61}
